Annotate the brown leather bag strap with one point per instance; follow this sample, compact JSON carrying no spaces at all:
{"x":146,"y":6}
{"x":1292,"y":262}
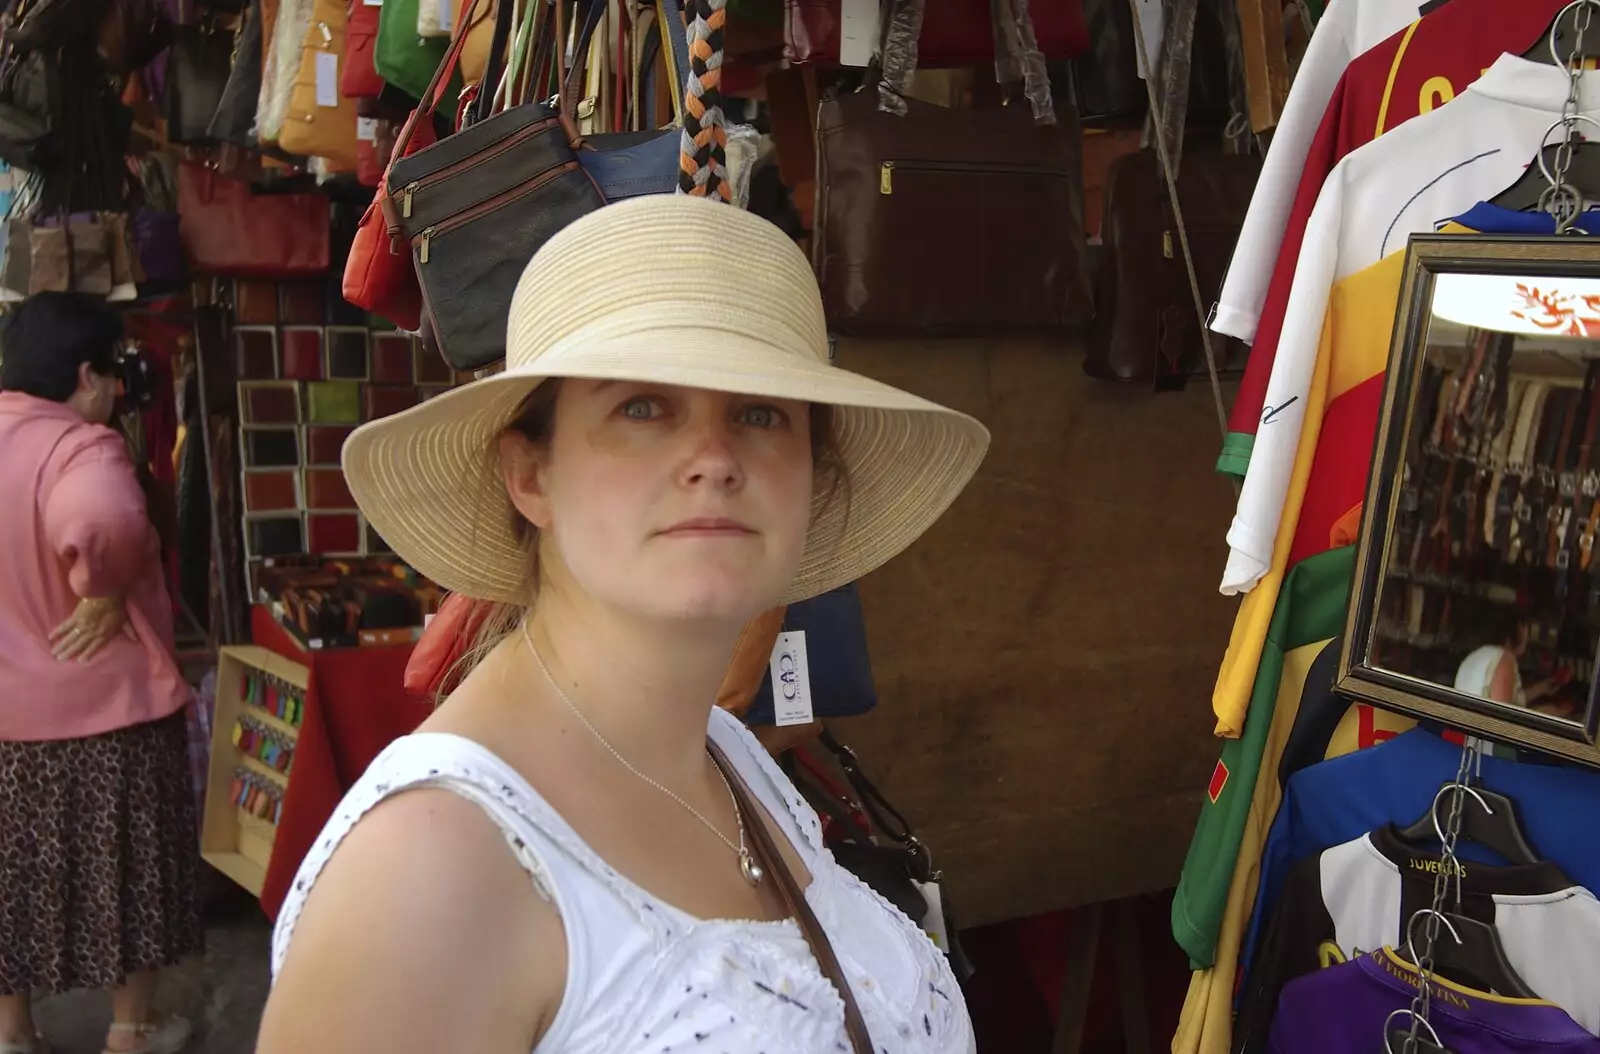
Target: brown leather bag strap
{"x":772,"y":862}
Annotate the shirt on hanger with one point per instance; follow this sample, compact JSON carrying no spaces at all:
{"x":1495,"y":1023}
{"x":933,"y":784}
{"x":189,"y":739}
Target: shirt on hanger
{"x":1344,"y":1008}
{"x":1343,"y":798}
{"x":1311,"y":610}
{"x":1413,"y":72}
{"x":1337,"y":483}
{"x":1408,"y":181}
{"x":1346,"y":29}
{"x":1359,"y":896}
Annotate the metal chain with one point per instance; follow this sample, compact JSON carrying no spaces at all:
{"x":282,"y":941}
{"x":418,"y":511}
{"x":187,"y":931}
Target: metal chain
{"x":740,"y":848}
{"x":1449,"y":868}
{"x":1561,"y":200}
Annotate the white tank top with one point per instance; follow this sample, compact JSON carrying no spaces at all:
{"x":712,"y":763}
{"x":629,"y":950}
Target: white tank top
{"x":644,"y":977}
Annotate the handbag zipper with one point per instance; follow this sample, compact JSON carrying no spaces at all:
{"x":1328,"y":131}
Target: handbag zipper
{"x":468,"y":162}
{"x":887,"y":169}
{"x":489,"y":205}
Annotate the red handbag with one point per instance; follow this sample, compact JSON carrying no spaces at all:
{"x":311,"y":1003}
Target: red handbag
{"x":955,"y":33}
{"x":359,"y":79}
{"x":229,"y":230}
{"x":379,"y":275}
{"x":431,"y":671}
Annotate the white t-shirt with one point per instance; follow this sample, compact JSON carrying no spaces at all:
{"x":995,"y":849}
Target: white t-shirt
{"x":1410,"y":180}
{"x":1346,"y":29}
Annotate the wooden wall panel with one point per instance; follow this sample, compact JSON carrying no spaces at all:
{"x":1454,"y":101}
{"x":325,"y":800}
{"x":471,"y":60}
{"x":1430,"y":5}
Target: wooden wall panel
{"x":1045,"y":655}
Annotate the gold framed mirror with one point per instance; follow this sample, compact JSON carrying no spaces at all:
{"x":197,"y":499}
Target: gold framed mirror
{"x":1475,"y":601}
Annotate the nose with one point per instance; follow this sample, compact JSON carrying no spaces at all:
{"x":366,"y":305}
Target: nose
{"x":711,"y":459}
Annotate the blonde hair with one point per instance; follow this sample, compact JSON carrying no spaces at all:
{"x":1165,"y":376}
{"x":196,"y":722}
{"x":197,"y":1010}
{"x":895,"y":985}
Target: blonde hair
{"x":535,"y":419}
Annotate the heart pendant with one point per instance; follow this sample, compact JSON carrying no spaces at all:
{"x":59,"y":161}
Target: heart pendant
{"x":751,"y":870}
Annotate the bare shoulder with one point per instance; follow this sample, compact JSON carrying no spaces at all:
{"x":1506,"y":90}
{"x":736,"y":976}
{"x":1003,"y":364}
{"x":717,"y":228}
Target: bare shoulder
{"x":423,"y":933}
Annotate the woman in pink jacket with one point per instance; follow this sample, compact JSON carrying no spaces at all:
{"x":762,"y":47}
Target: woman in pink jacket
{"x":99,"y":855}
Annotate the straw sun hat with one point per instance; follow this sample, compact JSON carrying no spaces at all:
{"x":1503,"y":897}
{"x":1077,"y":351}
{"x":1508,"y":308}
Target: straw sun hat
{"x":673,"y":290}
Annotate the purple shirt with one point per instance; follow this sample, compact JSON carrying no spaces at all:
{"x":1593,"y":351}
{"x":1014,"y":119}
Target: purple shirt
{"x":1343,"y":1008}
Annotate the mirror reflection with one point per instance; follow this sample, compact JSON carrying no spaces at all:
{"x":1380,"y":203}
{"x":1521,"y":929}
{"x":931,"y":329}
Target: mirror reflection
{"x":1489,"y":586}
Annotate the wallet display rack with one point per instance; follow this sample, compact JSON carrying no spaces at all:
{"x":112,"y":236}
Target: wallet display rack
{"x":304,"y":384}
{"x":260,"y":703}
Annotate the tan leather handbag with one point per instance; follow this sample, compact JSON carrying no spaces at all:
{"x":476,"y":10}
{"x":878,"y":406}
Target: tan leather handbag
{"x":312,"y":127}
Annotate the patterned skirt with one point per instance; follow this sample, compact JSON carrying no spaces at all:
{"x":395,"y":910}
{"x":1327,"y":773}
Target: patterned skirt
{"x":99,"y":858}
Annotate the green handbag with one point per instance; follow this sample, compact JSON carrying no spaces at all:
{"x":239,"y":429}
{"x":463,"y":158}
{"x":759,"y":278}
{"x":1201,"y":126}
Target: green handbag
{"x":402,"y":58}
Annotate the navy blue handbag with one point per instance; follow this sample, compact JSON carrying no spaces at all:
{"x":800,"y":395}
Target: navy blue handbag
{"x":632,"y":164}
{"x":836,"y":649}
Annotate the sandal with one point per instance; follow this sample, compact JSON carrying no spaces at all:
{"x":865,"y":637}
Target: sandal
{"x":166,"y":1036}
{"x":37,"y":1045}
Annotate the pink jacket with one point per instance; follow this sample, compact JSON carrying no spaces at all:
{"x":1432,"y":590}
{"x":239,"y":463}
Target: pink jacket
{"x":75,"y":526}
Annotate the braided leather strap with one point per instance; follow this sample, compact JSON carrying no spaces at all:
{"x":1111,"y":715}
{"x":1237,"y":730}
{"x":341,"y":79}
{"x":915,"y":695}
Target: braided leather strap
{"x":703,"y":155}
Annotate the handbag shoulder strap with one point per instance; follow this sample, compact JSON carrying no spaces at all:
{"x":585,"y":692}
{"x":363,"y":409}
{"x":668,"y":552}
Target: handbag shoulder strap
{"x":772,"y":861}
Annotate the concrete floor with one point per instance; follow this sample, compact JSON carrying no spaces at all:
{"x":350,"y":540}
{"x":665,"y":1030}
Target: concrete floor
{"x":222,"y":992}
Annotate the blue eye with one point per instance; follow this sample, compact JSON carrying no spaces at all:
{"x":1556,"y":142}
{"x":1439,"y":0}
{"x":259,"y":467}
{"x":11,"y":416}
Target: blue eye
{"x":640,"y":409}
{"x":762,"y":416}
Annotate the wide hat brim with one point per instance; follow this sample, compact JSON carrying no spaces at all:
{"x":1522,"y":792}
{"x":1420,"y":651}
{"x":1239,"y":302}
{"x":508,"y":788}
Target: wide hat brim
{"x":428,"y":479}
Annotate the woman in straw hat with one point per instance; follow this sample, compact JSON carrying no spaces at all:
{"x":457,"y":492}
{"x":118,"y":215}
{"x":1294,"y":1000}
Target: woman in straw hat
{"x":577,"y":852}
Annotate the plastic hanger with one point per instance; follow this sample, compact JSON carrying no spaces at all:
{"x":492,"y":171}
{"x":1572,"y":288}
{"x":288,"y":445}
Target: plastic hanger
{"x":1559,"y":46}
{"x":1470,"y":955}
{"x":1487,"y":817}
{"x":1399,"y":1041}
{"x":1583,"y":173}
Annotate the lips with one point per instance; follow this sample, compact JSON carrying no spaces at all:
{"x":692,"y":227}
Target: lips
{"x":709,"y":527}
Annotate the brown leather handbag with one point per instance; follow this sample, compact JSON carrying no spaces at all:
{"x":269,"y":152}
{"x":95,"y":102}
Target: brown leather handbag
{"x":946,"y":221}
{"x":1145,"y":329}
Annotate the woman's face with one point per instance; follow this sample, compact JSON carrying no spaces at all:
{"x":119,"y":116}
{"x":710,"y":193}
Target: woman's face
{"x":669,"y":502}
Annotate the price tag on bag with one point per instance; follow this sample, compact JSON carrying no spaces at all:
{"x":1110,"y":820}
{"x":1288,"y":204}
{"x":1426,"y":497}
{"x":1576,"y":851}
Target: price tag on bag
{"x":858,"y":32}
{"x":791,"y":680}
{"x":367,"y":132}
{"x":933,"y":921}
{"x":327,"y":80}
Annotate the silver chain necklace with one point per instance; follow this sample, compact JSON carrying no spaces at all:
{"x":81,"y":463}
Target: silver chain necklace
{"x":748,"y":867}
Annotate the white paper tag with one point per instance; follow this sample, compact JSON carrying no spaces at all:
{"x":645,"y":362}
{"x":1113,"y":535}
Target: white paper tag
{"x":367,"y":129}
{"x":933,"y":921}
{"x":858,"y":32}
{"x":328,"y":79}
{"x":447,"y":14}
{"x":373,"y":3}
{"x":791,"y":680}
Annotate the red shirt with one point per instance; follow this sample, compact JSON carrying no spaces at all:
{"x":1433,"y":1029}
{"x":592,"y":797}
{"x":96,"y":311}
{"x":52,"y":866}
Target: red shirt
{"x":1418,"y":69}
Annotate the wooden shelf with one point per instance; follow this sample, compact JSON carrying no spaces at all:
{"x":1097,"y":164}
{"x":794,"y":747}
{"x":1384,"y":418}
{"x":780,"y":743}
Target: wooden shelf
{"x":233,"y":841}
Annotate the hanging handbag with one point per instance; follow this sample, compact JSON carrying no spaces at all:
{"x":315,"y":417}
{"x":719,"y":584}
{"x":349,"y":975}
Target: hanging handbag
{"x":901,"y":195}
{"x":132,"y":34}
{"x":1145,"y":328}
{"x":281,"y":67}
{"x":30,"y":107}
{"x":840,"y":670}
{"x":234,"y":120}
{"x":402,"y":58}
{"x":321,"y":121}
{"x":359,"y":79}
{"x":156,"y":225}
{"x":476,"y":206}
{"x":42,"y":24}
{"x":199,"y":65}
{"x":955,"y":33}
{"x":228,"y":230}
{"x":632,"y":164}
{"x":772,"y":862}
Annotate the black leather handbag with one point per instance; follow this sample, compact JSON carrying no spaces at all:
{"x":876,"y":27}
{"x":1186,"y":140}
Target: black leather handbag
{"x":198,"y":67}
{"x":234,"y":119}
{"x":475,"y":207}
